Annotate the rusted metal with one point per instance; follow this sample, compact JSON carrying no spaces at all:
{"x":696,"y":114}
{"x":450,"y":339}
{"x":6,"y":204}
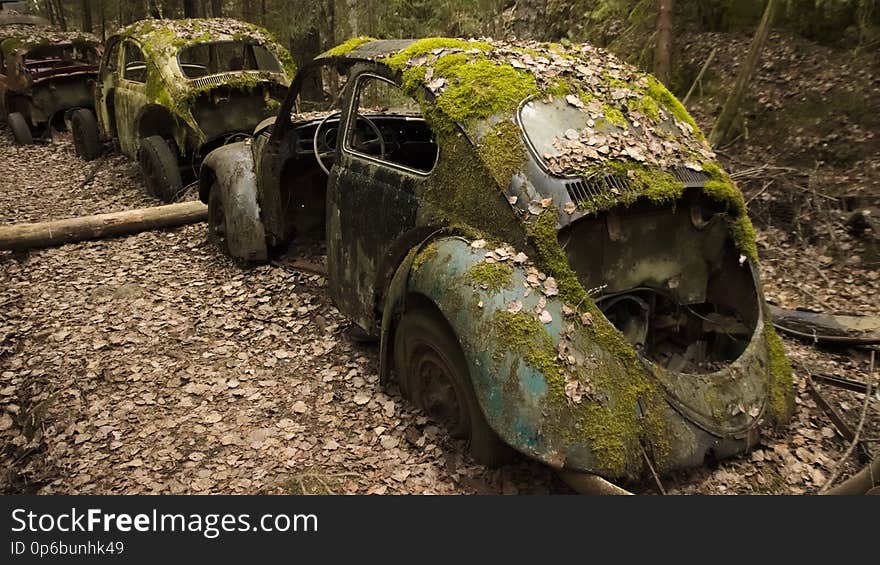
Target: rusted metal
{"x":827,"y":328}
{"x":186,"y":81}
{"x":841,"y":382}
{"x":46,"y":73}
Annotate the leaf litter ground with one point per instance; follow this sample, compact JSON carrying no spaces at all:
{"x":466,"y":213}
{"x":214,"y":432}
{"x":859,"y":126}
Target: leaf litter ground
{"x":152,"y":364}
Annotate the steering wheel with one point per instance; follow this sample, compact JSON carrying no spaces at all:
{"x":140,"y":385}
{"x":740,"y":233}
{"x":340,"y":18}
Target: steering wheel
{"x":320,"y":156}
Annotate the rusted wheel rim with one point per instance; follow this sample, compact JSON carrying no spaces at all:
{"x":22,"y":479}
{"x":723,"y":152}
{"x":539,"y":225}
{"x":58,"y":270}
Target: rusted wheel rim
{"x":435,"y":389}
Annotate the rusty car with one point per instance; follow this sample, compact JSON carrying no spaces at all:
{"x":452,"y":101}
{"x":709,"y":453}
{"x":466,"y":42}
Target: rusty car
{"x":170,"y":91}
{"x":46,"y":75}
{"x":540,"y":238}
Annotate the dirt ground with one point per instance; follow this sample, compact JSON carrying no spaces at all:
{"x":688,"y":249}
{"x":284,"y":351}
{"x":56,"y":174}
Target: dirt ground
{"x":152,"y":364}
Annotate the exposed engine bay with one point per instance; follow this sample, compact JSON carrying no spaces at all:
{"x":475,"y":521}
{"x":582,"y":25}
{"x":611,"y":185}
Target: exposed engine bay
{"x":670,"y":279}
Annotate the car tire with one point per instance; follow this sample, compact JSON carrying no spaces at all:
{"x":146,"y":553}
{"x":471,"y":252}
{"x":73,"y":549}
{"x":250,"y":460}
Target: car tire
{"x":21,"y":131}
{"x":160,"y":169}
{"x":86,"y":139}
{"x":433,"y":373}
{"x":217,"y":232}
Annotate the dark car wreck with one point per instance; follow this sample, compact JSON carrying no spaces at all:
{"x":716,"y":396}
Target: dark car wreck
{"x":539,"y":236}
{"x":46,"y":75}
{"x":170,"y":91}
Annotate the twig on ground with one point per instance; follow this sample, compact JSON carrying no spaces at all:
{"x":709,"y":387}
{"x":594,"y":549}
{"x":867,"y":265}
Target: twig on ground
{"x":653,"y":472}
{"x":855,"y":441}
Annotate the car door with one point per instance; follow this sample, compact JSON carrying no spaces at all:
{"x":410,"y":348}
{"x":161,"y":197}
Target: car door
{"x":130,"y":96}
{"x":373,"y":187}
{"x":105,"y":86}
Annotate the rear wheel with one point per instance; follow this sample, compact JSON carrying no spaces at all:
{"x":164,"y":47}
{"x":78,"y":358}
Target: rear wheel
{"x":20,"y":129}
{"x":434,"y":375}
{"x":86,"y":140}
{"x":160,"y":170}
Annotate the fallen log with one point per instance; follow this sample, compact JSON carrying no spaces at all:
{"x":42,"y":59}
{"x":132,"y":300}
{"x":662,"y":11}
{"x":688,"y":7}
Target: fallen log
{"x":59,"y":232}
{"x":827,"y":328}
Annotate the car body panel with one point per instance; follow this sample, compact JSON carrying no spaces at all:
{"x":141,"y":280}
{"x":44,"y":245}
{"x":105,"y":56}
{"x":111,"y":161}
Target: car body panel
{"x":43,"y":87}
{"x":184,"y":109}
{"x":527,"y":408}
{"x":233,"y":168}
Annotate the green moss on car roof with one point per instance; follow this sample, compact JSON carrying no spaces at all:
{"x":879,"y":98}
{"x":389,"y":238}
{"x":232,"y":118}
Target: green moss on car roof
{"x":163,"y":39}
{"x":347,"y":47}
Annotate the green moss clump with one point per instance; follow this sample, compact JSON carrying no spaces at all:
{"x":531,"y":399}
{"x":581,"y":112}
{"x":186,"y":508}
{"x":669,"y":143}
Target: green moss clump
{"x":721,"y":188}
{"x":614,"y":116}
{"x":781,"y":385}
{"x":425,"y":46}
{"x":481,"y":88}
{"x":558,"y":88}
{"x":657,"y":185}
{"x":495,"y":276}
{"x":425,"y":255}
{"x":542,"y":234}
{"x":524,"y":334}
{"x":347,"y":47}
{"x":647,"y":106}
{"x":662,"y":96}
{"x":503,"y":151}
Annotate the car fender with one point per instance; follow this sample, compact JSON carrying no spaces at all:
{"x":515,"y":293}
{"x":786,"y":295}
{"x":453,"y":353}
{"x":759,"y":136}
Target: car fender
{"x":230,"y":169}
{"x":525,"y":392}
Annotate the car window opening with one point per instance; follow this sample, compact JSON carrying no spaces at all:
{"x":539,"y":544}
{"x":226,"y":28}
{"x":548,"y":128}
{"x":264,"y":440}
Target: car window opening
{"x":218,"y":57}
{"x":389,"y":127}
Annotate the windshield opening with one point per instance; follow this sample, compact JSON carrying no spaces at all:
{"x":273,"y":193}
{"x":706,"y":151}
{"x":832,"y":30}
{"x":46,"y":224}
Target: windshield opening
{"x":226,"y":57}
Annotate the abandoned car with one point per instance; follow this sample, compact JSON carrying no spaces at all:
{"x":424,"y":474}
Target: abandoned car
{"x":170,"y":91}
{"x":46,"y":75}
{"x":538,"y":235}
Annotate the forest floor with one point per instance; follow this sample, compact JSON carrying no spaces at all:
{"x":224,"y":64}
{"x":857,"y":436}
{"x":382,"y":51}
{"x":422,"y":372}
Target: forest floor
{"x":153,"y":364}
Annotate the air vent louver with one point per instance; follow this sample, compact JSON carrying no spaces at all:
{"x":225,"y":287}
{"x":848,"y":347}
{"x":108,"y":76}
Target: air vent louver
{"x":605,"y":188}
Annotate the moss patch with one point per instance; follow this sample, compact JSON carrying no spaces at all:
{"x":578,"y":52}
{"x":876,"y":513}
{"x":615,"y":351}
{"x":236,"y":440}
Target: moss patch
{"x":347,"y":47}
{"x":662,"y":96}
{"x":781,"y":385}
{"x":503,"y":151}
{"x":647,"y":106}
{"x":425,"y":255}
{"x":614,"y":116}
{"x":495,"y":276}
{"x":524,"y":334}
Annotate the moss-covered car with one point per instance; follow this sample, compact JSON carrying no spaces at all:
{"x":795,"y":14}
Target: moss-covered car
{"x":541,"y":239}
{"x":170,"y":91}
{"x":46,"y":75}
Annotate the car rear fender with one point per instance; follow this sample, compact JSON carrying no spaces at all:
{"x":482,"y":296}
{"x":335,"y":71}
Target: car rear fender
{"x":510,"y":391}
{"x":230,"y":170}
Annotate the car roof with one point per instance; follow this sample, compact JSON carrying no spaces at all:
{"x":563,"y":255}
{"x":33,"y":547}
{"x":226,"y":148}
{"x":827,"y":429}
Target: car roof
{"x":8,"y":17}
{"x":13,"y":37}
{"x":479,"y":83}
{"x":172,"y":35}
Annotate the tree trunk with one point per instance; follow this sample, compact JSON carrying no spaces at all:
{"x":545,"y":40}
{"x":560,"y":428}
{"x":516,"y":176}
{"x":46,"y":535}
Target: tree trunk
{"x":663,"y":48}
{"x":58,"y":232}
{"x":59,"y":11}
{"x":190,"y":9}
{"x":87,"y":15}
{"x":722,"y":126}
{"x":217,"y":8}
